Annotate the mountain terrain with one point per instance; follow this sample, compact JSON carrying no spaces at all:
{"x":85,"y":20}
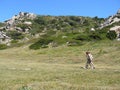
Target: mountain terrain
{"x":48,"y":53}
{"x":43,"y":31}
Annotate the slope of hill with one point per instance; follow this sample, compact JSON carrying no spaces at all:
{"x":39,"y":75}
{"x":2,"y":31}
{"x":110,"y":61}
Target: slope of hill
{"x":60,"y":68}
{"x":26,"y":25}
{"x":73,"y":30}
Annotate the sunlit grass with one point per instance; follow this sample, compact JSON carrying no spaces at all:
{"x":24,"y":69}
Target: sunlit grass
{"x":60,"y":68}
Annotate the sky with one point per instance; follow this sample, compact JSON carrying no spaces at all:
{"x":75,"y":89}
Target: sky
{"x":91,"y":8}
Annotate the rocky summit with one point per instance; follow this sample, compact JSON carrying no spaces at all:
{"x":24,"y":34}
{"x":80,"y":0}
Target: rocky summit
{"x":14,"y":23}
{"x":112,"y":19}
{"x":18,"y":19}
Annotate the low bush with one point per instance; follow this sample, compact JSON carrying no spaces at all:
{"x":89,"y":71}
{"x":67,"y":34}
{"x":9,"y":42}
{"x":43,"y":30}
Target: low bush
{"x":81,"y":37}
{"x":3,"y":46}
{"x":14,"y":41}
{"x":42,"y":43}
{"x":111,"y":35}
{"x":95,"y":36}
{"x":15,"y":35}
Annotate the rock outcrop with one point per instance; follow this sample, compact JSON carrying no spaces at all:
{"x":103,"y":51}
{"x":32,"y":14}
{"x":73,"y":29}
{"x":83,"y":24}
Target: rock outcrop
{"x":117,"y":30}
{"x":112,"y":19}
{"x":18,"y":19}
{"x":16,"y":23}
{"x":4,"y":39}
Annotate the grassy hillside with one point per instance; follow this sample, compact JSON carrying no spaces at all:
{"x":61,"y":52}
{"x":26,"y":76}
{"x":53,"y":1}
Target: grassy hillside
{"x":64,"y":23}
{"x":60,"y":30}
{"x":60,"y":68}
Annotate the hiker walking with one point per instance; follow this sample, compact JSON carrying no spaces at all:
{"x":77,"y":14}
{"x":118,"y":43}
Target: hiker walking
{"x":89,"y":61}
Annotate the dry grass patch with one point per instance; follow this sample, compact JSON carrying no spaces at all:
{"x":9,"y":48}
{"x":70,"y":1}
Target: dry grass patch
{"x":60,"y":68}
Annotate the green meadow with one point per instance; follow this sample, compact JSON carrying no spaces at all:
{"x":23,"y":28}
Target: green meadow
{"x":61,"y":68}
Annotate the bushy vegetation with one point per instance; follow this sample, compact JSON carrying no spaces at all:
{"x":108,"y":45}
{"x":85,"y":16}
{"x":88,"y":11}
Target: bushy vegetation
{"x":92,"y":35}
{"x":111,"y":35}
{"x":81,"y":37}
{"x":73,"y":39}
{"x":74,"y":30}
{"x":42,"y":43}
{"x":3,"y":46}
{"x":64,"y":23}
{"x":15,"y":35}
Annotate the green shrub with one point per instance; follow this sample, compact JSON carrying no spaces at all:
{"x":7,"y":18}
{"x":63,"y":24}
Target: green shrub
{"x":14,"y":41}
{"x":42,"y":43}
{"x":15,"y":35}
{"x":41,"y":20}
{"x":111,"y":35}
{"x":81,"y":37}
{"x":89,"y":36}
{"x":3,"y":46}
{"x":95,"y":36}
{"x":35,"y":30}
{"x":51,"y":32}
